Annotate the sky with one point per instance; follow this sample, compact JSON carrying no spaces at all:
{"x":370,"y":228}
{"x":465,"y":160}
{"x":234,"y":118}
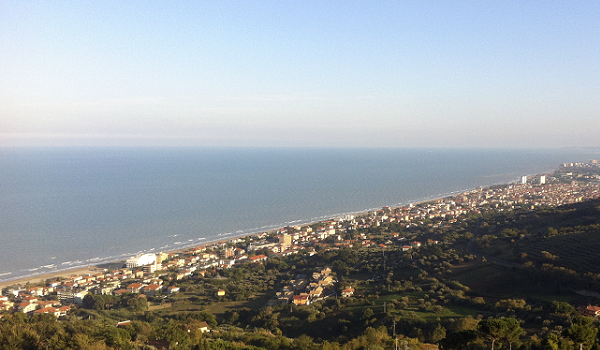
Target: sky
{"x":300,"y":73}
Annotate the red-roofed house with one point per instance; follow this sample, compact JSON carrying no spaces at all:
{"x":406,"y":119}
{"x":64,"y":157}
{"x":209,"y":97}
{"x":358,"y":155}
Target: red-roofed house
{"x":348,"y":292}
{"x":301,"y":299}
{"x":48,"y":310}
{"x":64,"y":309}
{"x":119,"y":291}
{"x":152,"y":289}
{"x":257,"y":258}
{"x":135,"y":287}
{"x":589,"y":310}
{"x":25,"y":307}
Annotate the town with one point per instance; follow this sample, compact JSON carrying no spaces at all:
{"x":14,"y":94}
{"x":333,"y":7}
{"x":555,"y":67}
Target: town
{"x":144,"y":275}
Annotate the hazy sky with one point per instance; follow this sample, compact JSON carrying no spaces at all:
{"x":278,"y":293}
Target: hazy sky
{"x":300,"y":73}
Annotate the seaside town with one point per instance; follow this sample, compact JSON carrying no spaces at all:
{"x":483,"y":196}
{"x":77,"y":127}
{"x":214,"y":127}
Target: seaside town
{"x":145,"y":274}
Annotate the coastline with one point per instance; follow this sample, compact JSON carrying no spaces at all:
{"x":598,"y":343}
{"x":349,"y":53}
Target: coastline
{"x":92,"y":238}
{"x":94,"y":268}
{"x":51,"y":275}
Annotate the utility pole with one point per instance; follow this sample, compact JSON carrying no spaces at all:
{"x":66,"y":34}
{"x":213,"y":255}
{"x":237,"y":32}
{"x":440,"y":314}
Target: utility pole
{"x":394,"y":328}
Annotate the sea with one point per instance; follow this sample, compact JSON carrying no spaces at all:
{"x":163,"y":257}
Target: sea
{"x":62,"y":208}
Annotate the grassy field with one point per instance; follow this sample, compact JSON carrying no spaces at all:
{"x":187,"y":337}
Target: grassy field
{"x":184,"y":303}
{"x":257,"y":302}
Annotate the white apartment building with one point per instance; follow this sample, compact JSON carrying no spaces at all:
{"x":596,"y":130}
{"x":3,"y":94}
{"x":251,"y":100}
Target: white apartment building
{"x":141,"y":260}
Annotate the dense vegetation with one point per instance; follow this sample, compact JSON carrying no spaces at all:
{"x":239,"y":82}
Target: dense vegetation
{"x":496,"y":280}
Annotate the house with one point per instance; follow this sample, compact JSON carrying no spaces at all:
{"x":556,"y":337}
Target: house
{"x":221,"y":292}
{"x":29,"y":299}
{"x":63,"y":310}
{"x":316,"y":292}
{"x":48,"y":310}
{"x":327,"y":281}
{"x":283,"y":298}
{"x":44,"y":303}
{"x":589,"y":310}
{"x":173,"y":290}
{"x":152,"y":289}
{"x":135,"y":287}
{"x":258,"y":258}
{"x":301,"y":299}
{"x":204,"y":327}
{"x":348,"y":292}
{"x":25,"y":307}
{"x":36,"y":291}
{"x":6,"y":305}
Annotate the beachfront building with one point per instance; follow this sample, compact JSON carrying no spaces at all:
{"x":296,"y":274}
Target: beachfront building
{"x":69,"y":295}
{"x":141,"y":260}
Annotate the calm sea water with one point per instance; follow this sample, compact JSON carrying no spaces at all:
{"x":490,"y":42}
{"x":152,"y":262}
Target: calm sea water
{"x":67,"y":207}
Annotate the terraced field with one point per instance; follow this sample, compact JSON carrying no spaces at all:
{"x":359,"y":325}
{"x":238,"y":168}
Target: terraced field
{"x":579,"y":252}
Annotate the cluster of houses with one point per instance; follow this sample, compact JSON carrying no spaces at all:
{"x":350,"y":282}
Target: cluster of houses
{"x":31,"y":301}
{"x":58,"y":297}
{"x":444,"y":211}
{"x":302,"y":291}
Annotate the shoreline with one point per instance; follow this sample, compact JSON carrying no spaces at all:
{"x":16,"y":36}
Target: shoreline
{"x":93,"y":268}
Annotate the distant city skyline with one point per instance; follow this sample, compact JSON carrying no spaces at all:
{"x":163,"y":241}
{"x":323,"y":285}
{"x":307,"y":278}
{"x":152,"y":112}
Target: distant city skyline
{"x":300,"y":74}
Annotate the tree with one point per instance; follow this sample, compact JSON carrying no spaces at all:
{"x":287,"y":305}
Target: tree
{"x":513,"y":330}
{"x":341,"y":267}
{"x":304,"y":342}
{"x":116,"y":337}
{"x":562,"y":307}
{"x":582,"y":331}
{"x":496,"y":329}
{"x":458,"y":340}
{"x":438,"y":333}
{"x":554,"y":342}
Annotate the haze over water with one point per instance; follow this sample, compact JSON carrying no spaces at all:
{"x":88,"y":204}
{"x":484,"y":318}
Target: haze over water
{"x":65,"y":207}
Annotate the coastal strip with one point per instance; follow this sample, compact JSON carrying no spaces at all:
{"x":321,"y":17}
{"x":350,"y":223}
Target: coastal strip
{"x":555,"y":192}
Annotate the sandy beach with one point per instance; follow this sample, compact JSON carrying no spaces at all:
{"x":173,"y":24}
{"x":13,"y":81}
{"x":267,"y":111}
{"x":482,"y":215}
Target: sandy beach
{"x":93,"y":269}
{"x":53,"y":275}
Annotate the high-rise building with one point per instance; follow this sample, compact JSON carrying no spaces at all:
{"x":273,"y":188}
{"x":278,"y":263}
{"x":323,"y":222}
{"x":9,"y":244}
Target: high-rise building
{"x":524,"y":179}
{"x":542,"y":179}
